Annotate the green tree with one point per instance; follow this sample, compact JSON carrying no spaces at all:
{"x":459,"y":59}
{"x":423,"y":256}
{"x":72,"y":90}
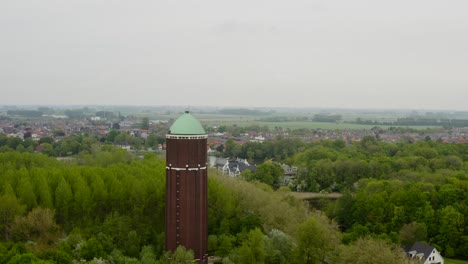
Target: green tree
{"x":48,"y":140}
{"x":110,"y":137}
{"x":118,"y":227}
{"x":317,"y":239}
{"x":25,"y":193}
{"x":44,"y":198}
{"x":20,"y":148}
{"x":344,"y":210}
{"x":180,"y":256}
{"x":132,"y":244}
{"x":92,"y":249}
{"x":451,"y":230}
{"x":252,"y":250}
{"x":62,"y":257}
{"x":371,"y":251}
{"x":27,"y":258}
{"x":38,"y":225}
{"x":145,"y":123}
{"x":231,"y":149}
{"x":10,"y":207}
{"x":136,"y":143}
{"x":225,"y":245}
{"x":48,"y":149}
{"x":86,"y":144}
{"x":99,"y":195}
{"x":147,"y":255}
{"x":278,"y":248}
{"x":413,"y":232}
{"x":152,"y":141}
{"x":324,"y":173}
{"x":268,"y":172}
{"x":81,"y":205}
{"x":123,"y":139}
{"x":63,"y":199}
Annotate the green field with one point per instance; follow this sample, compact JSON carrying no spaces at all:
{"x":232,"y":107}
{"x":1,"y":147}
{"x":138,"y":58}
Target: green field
{"x":296,"y":124}
{"x":243,"y":121}
{"x":201,"y":117}
{"x":454,"y":261}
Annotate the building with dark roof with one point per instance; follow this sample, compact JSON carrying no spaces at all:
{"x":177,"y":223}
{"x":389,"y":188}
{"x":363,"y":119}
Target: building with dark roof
{"x":427,"y":254}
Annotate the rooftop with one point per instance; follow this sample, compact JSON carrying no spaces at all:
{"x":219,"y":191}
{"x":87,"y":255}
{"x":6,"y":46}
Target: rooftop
{"x":186,"y":124}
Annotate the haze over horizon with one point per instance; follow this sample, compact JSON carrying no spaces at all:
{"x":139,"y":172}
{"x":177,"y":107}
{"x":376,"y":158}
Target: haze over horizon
{"x":359,"y":54}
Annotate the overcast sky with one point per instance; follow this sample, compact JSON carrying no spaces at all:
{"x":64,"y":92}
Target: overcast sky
{"x":311,"y":53}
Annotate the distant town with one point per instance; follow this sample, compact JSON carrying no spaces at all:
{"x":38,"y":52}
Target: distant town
{"x":137,"y":129}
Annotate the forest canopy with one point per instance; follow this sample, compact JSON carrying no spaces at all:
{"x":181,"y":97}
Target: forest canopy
{"x":108,"y":206}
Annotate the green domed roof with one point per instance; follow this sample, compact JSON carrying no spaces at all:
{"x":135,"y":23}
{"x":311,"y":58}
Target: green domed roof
{"x":186,"y":124}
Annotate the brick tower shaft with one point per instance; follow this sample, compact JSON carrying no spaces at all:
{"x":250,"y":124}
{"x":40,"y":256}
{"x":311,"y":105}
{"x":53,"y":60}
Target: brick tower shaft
{"x":187,"y":188}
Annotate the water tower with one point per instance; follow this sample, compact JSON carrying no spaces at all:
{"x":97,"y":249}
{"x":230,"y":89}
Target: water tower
{"x":187,"y":187}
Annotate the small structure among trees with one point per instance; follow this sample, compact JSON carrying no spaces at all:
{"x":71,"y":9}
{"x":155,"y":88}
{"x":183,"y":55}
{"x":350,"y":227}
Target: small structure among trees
{"x":423,"y":252}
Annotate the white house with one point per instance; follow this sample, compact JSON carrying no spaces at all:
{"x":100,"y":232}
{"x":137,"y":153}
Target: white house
{"x":233,"y":168}
{"x":258,"y":139}
{"x":426,"y":253}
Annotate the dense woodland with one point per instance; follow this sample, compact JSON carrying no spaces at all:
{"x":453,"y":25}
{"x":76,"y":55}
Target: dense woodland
{"x":106,"y":206}
{"x":390,"y":190}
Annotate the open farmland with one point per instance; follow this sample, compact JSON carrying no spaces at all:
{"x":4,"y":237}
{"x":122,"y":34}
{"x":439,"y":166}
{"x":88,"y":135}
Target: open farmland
{"x":296,"y":124}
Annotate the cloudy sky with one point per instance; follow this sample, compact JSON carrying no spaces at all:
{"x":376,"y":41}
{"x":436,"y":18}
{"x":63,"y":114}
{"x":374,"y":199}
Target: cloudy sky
{"x":409,"y":54}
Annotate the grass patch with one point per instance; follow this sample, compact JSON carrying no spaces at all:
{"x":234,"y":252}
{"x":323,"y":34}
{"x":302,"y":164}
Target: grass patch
{"x":454,"y":261}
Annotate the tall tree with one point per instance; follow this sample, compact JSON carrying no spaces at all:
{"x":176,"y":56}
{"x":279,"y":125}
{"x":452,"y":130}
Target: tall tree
{"x":413,"y":232}
{"x":252,"y":250}
{"x":25,"y":193}
{"x":44,"y":198}
{"x":145,"y":123}
{"x":10,"y":207}
{"x":317,"y":239}
{"x":63,"y":199}
{"x":451,"y":230}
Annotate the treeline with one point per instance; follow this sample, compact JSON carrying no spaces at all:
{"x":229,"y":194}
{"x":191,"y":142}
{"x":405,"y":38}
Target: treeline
{"x":25,"y":113}
{"x":341,"y":164}
{"x":77,"y":144}
{"x":51,"y":212}
{"x":106,"y":114}
{"x":77,"y":113}
{"x":416,"y":121}
{"x":70,"y":113}
{"x":242,"y":112}
{"x":329,"y":118}
{"x":278,"y":149}
{"x":283,"y":119}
